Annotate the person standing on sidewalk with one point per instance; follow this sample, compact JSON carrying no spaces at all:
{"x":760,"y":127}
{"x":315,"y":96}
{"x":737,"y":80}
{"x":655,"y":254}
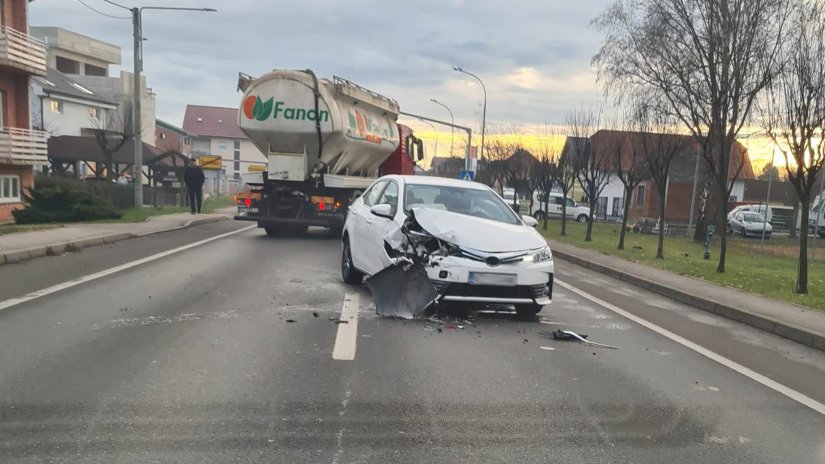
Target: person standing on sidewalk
{"x":193,"y":177}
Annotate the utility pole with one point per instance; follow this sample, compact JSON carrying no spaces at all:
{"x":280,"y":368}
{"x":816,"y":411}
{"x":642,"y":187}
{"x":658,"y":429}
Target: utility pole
{"x":693,"y":194}
{"x":137,"y":126}
{"x":136,"y":97}
{"x":767,"y":205}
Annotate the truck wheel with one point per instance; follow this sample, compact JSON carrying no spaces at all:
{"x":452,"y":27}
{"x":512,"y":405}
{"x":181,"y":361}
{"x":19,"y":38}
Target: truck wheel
{"x":582,"y":218}
{"x":525,"y":310}
{"x":272,"y":231}
{"x":348,"y":272}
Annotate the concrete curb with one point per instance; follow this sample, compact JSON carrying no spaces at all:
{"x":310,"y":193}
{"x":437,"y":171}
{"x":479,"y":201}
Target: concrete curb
{"x":16,"y":256}
{"x":783,"y":329}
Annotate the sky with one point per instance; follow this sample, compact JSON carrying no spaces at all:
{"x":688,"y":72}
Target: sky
{"x":533,"y":55}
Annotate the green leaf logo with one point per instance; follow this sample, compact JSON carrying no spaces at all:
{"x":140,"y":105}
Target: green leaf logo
{"x":262,"y":110}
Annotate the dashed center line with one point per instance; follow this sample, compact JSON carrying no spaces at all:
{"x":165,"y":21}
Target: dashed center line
{"x":347,"y":335}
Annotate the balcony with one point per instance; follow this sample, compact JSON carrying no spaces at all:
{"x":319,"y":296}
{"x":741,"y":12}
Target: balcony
{"x":23,"y":146}
{"x":22,"y":51}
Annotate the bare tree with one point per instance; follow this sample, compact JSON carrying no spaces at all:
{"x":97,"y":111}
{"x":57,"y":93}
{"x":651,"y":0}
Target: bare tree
{"x":592,"y":165}
{"x":547,"y":170}
{"x":708,"y":60}
{"x":659,"y":146}
{"x":112,"y":131}
{"x":565,"y":173}
{"x":627,"y":162}
{"x":795,"y":115}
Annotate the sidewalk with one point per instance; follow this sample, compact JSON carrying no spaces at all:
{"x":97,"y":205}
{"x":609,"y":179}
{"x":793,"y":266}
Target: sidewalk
{"x":803,"y":325}
{"x":72,"y":237}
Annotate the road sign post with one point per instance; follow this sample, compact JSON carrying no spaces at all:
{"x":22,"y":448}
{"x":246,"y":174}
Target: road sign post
{"x":466,"y":175}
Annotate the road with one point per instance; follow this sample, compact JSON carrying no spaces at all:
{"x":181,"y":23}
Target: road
{"x":194,"y":357}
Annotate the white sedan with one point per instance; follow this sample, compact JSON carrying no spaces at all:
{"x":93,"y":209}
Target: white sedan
{"x":488,"y":254}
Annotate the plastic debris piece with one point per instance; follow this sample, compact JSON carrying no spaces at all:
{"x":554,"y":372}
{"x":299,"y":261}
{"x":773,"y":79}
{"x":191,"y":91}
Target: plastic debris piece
{"x":547,"y":348}
{"x":569,"y":335}
{"x":403,"y":291}
{"x":315,"y":314}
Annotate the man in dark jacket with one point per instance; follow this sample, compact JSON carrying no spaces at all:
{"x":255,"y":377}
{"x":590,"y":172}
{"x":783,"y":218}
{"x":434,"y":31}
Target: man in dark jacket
{"x":193,"y":177}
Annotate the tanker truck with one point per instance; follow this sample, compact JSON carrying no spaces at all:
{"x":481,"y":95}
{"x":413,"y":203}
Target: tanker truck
{"x":325,"y":142}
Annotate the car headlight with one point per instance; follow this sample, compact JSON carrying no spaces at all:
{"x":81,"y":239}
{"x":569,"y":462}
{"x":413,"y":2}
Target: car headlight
{"x":539,"y":256}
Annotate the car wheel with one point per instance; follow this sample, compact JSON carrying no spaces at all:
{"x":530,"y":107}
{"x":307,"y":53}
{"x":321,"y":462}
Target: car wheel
{"x":348,"y":271}
{"x":538,"y":215}
{"x":730,"y":230}
{"x":582,"y":218}
{"x":528,"y":309}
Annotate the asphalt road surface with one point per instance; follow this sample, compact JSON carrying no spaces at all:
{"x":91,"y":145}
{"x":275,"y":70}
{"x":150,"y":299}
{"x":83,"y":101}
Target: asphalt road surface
{"x":229,"y":352}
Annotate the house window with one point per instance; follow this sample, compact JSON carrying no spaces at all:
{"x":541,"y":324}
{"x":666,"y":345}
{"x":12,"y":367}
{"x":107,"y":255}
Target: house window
{"x":222,"y":147}
{"x":67,"y":66}
{"x":9,"y":189}
{"x":2,"y":107}
{"x":617,"y":206}
{"x":92,"y":70}
{"x":601,"y":207}
{"x":96,"y":113}
{"x":640,"y":196}
{"x":163,"y":136}
{"x":56,"y":106}
{"x":237,"y":145}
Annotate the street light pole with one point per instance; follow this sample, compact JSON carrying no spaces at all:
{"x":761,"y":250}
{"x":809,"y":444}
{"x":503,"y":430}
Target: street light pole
{"x":435,"y":152}
{"x":452,"y":121}
{"x":137,"y":29}
{"x":483,"y":112}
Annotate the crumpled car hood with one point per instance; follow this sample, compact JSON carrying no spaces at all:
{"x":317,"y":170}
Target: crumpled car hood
{"x":477,"y":233}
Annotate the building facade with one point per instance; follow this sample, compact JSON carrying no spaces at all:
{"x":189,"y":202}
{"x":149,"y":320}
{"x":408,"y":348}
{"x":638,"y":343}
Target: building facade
{"x":61,"y":106}
{"x":86,"y":61}
{"x":22,"y":149}
{"x":214,"y":131}
{"x":169,"y":137}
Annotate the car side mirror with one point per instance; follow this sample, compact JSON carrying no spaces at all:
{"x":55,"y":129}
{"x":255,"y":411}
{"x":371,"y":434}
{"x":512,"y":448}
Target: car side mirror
{"x":383,"y":210}
{"x":530,"y":221}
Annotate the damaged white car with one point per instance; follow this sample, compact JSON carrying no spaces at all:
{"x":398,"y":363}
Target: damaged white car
{"x":472,"y":245}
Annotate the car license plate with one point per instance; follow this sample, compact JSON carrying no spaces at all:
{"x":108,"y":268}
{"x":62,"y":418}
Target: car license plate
{"x":246,"y":209}
{"x":490,"y":278}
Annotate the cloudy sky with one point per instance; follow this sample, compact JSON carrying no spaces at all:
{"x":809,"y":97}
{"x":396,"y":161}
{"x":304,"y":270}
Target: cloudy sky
{"x":533,"y":55}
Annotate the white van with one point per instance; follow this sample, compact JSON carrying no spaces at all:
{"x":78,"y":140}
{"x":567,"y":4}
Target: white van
{"x":555,"y":200}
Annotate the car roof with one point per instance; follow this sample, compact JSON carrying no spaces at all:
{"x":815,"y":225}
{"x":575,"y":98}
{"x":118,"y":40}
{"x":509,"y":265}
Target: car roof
{"x":439,"y":181}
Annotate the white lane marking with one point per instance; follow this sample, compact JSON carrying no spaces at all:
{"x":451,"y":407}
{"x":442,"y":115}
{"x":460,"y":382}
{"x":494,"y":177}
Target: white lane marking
{"x":107,"y":272}
{"x":344,"y":349}
{"x":773,"y":385}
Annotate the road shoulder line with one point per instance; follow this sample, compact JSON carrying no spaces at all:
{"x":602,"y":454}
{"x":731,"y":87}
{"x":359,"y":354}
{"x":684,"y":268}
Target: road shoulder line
{"x":730,"y":364}
{"x":347,"y":335}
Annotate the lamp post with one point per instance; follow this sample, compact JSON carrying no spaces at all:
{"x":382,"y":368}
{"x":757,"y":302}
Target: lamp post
{"x":483,"y":112}
{"x":137,"y":25}
{"x":435,"y":152}
{"x":452,"y":121}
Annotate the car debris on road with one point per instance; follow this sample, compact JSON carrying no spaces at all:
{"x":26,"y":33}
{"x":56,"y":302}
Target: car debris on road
{"x":569,"y":335}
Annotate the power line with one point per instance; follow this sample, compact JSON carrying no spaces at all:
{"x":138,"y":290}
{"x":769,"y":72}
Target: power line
{"x":100,"y":12}
{"x":117,"y":5}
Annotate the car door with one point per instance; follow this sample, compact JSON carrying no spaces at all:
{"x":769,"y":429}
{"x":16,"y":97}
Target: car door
{"x":361,"y":221}
{"x":378,"y":227}
{"x":737,"y":222}
{"x":554,"y":206}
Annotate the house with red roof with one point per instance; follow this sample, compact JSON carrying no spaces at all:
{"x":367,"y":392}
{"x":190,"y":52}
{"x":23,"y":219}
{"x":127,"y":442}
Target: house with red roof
{"x":214,"y":131}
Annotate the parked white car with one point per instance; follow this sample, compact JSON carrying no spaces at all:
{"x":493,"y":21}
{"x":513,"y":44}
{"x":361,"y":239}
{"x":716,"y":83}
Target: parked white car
{"x":761,"y":209}
{"x":748,"y":223}
{"x":491,"y":254}
{"x":574,"y":211}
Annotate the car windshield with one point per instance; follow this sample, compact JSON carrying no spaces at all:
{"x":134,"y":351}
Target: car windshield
{"x":753,"y":217}
{"x":480,"y":203}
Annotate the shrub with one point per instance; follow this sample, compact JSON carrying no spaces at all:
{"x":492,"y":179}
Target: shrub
{"x":55,"y":199}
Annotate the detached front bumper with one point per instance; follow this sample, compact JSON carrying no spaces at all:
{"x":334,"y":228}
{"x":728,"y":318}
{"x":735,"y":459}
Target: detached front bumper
{"x":462,"y":279}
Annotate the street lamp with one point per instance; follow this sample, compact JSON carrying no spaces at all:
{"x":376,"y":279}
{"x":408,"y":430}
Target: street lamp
{"x":483,"y":112}
{"x":436,"y":134}
{"x":452,"y":121}
{"x":137,"y":25}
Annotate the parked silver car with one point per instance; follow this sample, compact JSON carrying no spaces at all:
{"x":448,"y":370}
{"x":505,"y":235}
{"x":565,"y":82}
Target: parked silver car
{"x":748,"y":223}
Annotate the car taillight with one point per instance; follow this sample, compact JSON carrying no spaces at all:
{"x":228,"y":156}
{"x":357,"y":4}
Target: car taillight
{"x":320,"y":206}
{"x":248,"y":202}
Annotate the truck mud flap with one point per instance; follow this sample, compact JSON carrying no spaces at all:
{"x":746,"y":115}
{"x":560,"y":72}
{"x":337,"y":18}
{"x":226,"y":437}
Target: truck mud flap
{"x":402,"y":290}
